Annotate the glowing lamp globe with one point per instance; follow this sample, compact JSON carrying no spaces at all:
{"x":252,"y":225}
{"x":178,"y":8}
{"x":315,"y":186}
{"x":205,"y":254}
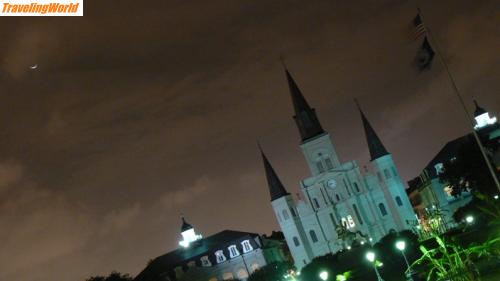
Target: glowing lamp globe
{"x":370,"y":256}
{"x":469,"y":219}
{"x":323,"y":275}
{"x":401,"y":245}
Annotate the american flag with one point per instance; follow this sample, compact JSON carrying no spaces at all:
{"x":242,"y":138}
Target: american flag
{"x":418,"y":27}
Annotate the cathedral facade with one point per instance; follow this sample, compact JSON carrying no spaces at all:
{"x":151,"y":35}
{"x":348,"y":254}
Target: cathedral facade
{"x":341,"y":204}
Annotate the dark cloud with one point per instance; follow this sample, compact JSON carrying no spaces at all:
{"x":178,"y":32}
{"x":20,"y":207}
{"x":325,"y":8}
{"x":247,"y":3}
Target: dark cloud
{"x":139,"y":112}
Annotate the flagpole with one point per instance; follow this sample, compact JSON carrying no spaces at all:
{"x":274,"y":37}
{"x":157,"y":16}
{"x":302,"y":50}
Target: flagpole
{"x":461,"y":100}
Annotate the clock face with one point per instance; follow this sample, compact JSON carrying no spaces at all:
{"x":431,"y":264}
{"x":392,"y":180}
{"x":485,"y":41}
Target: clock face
{"x":331,"y":183}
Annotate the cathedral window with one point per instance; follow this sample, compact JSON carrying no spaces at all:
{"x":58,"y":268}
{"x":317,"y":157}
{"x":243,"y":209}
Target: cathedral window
{"x":292,"y":210}
{"x":314,"y":238}
{"x":387,"y":174}
{"x":319,"y":164}
{"x":285,"y":215}
{"x":383,"y":211}
{"x":246,"y":246}
{"x":346,"y":187}
{"x":328,"y":163}
{"x":296,"y":241}
{"x":316,"y":203}
{"x":398,"y":201}
{"x":357,"y":213}
{"x":337,"y":196}
{"x":356,"y":187}
{"x":220,"y":256}
{"x":233,"y":251}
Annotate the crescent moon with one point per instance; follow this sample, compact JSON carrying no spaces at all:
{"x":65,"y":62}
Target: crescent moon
{"x":34,"y":66}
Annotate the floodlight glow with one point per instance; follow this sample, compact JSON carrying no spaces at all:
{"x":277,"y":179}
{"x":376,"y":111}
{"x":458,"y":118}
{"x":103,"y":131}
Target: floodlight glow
{"x":323,"y":275}
{"x":469,"y":219}
{"x":341,"y":277}
{"x":370,"y":256}
{"x":401,"y":245}
{"x":495,"y":197}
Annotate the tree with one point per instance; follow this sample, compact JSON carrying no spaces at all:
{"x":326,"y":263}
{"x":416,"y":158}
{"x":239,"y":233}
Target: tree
{"x":468,"y":170}
{"x":113,"y":276}
{"x":273,"y":271}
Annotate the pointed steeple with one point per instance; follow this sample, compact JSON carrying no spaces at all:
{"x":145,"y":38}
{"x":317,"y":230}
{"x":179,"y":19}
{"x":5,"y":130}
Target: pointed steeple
{"x":479,"y":110}
{"x":276,"y":188}
{"x":305,"y":116}
{"x":375,"y":145}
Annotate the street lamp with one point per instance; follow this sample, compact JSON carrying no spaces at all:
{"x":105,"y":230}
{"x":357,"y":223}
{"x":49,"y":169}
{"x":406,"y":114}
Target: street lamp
{"x":469,"y":219}
{"x":323,"y":275}
{"x":401,"y":245}
{"x":370,"y":256}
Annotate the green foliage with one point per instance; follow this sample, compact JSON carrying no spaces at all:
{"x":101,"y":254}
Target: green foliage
{"x":273,"y":271}
{"x":450,"y":261}
{"x":113,"y":276}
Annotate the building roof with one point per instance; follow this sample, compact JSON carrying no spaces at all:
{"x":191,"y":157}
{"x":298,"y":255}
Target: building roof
{"x":203,"y":247}
{"x":305,"y":116}
{"x":375,"y":145}
{"x":276,"y":188}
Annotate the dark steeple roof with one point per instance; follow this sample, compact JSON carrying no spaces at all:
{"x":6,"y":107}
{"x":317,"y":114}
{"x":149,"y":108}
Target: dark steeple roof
{"x":375,"y":146}
{"x":185,"y":226}
{"x":305,"y":116}
{"x":276,"y":188}
{"x":479,"y":110}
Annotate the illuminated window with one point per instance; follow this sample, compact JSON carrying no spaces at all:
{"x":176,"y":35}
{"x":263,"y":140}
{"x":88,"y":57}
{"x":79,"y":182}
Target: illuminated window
{"x":233,"y":251}
{"x":228,"y":276}
{"x":254,"y":266}
{"x":357,"y":213}
{"x":247,"y":247}
{"x":219,"y":255}
{"x":242,"y":274}
{"x":296,"y":241}
{"x":383,"y":211}
{"x":314,"y":238}
{"x":398,"y":201}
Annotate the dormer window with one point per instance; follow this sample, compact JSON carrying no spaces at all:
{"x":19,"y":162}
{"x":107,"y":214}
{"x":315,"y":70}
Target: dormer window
{"x":439,"y":168}
{"x":247,"y":247}
{"x":205,"y":261}
{"x":219,"y":255}
{"x":233,"y":251}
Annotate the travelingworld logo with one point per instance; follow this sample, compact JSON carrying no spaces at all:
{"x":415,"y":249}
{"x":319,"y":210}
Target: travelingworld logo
{"x":57,"y":8}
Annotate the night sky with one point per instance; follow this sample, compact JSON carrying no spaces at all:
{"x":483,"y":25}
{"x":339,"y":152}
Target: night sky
{"x":142,"y":110}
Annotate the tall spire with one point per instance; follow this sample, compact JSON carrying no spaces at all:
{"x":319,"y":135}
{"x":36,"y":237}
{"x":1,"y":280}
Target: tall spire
{"x":276,"y":188}
{"x":375,"y":145}
{"x":305,"y":116}
{"x":185,"y":226}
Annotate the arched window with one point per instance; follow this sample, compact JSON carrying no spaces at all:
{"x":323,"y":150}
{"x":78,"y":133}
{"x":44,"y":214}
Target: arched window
{"x":314,"y":238}
{"x":319,"y":164}
{"x":233,"y":251}
{"x":292,"y":210}
{"x":337,"y":196}
{"x":316,"y":203}
{"x":220,"y":256}
{"x":387,"y":174}
{"x":329,"y":164}
{"x":296,"y":241}
{"x":357,"y":213}
{"x":347,"y":188}
{"x":356,"y":187}
{"x":285,"y":215}
{"x":383,"y":211}
{"x":398,"y":201}
{"x":247,"y":247}
{"x":394,"y":171}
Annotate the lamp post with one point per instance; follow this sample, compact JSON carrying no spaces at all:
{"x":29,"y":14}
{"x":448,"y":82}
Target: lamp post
{"x":401,"y":245}
{"x":370,"y":256}
{"x":469,"y":219}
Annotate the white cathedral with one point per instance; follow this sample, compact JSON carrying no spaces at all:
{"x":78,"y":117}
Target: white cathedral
{"x":343,"y":205}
